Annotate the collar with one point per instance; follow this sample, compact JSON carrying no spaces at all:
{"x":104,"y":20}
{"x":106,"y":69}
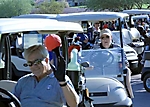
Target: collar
{"x":51,"y":75}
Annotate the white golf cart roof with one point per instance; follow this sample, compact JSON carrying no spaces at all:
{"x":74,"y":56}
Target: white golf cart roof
{"x":76,"y":17}
{"x":136,"y":11}
{"x":45,"y":26}
{"x":90,"y":16}
{"x":140,"y":17}
{"x":41,"y":16}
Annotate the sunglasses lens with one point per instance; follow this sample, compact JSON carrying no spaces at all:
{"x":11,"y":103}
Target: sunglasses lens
{"x":36,"y":62}
{"x":30,"y":64}
{"x":27,"y":64}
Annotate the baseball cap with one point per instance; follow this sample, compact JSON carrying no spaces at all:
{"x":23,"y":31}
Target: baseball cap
{"x":97,"y":22}
{"x":52,"y":41}
{"x":106,"y":32}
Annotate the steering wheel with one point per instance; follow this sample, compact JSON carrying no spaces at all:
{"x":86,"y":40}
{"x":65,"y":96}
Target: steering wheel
{"x":9,"y":98}
{"x":101,"y":58}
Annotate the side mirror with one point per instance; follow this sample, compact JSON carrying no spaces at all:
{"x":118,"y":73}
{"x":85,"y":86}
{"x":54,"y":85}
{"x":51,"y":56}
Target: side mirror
{"x":85,"y":64}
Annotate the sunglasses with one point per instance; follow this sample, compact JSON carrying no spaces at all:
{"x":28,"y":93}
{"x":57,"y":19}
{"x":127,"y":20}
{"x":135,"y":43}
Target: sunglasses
{"x":31,"y":63}
{"x":107,"y":37}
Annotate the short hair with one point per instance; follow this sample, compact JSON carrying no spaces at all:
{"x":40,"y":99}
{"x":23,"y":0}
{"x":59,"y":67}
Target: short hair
{"x":41,"y":49}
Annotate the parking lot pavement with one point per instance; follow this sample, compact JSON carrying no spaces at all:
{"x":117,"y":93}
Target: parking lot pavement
{"x":141,"y":96}
{"x":136,"y":79}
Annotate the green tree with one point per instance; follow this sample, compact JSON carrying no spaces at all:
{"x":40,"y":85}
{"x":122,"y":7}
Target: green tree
{"x":115,"y":4}
{"x":52,"y":7}
{"x":139,"y":3}
{"x":9,"y":8}
{"x":107,"y":4}
{"x":128,"y":4}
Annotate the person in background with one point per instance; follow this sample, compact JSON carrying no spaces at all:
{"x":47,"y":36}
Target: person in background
{"x":112,"y":26}
{"x":106,"y":43}
{"x":84,"y":40}
{"x":105,"y":25}
{"x":75,"y":44}
{"x":94,"y":32}
{"x":146,"y":29}
{"x":45,"y":86}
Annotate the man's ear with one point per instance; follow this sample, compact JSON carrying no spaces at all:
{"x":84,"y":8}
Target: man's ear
{"x":46,"y":60}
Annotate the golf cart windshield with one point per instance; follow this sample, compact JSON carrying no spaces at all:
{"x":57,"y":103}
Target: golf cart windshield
{"x":106,"y":62}
{"x":126,"y":35}
{"x":32,"y":39}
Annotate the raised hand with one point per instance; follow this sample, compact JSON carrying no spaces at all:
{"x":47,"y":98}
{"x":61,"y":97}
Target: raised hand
{"x":60,"y":70}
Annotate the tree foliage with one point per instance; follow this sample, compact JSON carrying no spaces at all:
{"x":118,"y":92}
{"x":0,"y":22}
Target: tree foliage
{"x":9,"y":8}
{"x":139,"y":3}
{"x":115,"y":4}
{"x":52,"y":7}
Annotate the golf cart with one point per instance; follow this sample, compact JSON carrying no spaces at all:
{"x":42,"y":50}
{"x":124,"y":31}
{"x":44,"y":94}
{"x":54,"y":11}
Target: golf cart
{"x":145,"y":75}
{"x":141,"y":14}
{"x":17,"y":62}
{"x":107,"y":16}
{"x":134,"y":12}
{"x":100,"y":81}
{"x":10,"y":27}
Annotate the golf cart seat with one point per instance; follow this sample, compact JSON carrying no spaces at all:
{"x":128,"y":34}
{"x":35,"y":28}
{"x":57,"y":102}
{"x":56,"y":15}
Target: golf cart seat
{"x":7,"y":84}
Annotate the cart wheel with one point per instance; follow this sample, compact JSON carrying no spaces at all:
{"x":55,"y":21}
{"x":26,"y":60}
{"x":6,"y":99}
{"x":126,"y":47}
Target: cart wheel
{"x":146,"y":82}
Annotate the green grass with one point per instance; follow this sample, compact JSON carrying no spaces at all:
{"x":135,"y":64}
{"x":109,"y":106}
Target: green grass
{"x":79,"y":7}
